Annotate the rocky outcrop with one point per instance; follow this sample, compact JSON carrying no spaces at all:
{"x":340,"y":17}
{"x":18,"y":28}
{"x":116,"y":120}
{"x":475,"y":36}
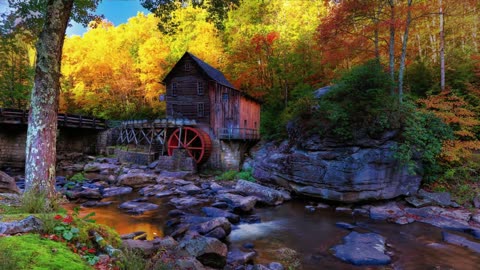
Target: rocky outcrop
{"x":323,"y":168}
{"x":137,"y":180}
{"x":29,"y":224}
{"x":7,"y":184}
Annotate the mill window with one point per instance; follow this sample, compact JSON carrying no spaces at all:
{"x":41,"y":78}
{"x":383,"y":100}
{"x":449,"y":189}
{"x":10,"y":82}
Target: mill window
{"x":200,"y":109}
{"x":188,"y":67}
{"x":174,"y":89}
{"x":200,"y":90}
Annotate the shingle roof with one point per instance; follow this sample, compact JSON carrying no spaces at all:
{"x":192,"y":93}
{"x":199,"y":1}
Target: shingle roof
{"x":212,"y":72}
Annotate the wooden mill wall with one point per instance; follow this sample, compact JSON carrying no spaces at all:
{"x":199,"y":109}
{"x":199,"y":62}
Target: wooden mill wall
{"x":225,"y":103}
{"x":183,"y":97}
{"x":249,"y":113}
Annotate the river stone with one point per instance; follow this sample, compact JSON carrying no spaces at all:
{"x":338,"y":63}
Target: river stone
{"x":190,"y":189}
{"x":116,"y":191}
{"x":387,"y":211}
{"x":275,"y":266}
{"x":97,"y":167}
{"x":7,"y":184}
{"x":146,"y":247}
{"x":86,"y":193}
{"x":95,"y":204}
{"x":151,"y":190}
{"x":138,"y":207}
{"x":237,"y":202}
{"x":210,"y":225}
{"x":460,"y":241}
{"x":335,"y":171}
{"x":215,"y":212}
{"x":236,"y":257}
{"x":362,"y":249}
{"x":218,"y":233}
{"x":137,"y":180}
{"x":186,"y":202}
{"x":264,"y":194}
{"x":27,"y":225}
{"x":209,"y":251}
{"x":440,"y":198}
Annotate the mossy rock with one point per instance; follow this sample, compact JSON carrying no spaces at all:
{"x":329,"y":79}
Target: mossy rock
{"x":109,"y":234}
{"x":30,"y":251}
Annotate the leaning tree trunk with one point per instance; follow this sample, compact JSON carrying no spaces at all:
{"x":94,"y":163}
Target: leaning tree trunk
{"x":401,"y":69}
{"x":42,"y":127}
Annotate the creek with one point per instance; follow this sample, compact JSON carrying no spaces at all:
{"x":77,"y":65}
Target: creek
{"x":311,"y":234}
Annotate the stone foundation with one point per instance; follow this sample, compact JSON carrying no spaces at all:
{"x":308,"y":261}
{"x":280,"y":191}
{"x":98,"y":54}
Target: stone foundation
{"x":179,"y":161}
{"x":140,"y":158}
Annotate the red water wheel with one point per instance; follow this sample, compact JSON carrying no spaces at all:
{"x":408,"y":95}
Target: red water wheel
{"x":195,"y":141}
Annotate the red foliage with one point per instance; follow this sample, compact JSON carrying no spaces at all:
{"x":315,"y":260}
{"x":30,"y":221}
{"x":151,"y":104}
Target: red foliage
{"x":68,"y":219}
{"x":58,"y":217}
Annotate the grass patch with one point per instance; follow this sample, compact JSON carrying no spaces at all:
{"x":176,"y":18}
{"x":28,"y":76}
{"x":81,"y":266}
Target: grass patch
{"x":234,"y":175}
{"x":30,"y":251}
{"x":132,"y":259}
{"x":78,"y":177}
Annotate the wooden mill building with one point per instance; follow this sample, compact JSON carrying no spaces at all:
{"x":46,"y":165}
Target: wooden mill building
{"x":231,"y":118}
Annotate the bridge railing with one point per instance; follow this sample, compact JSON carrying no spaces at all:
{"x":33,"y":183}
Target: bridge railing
{"x":238,"y":134}
{"x":16,"y":116}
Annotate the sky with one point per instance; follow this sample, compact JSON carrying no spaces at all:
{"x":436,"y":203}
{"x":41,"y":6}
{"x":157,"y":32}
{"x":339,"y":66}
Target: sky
{"x":116,"y":11}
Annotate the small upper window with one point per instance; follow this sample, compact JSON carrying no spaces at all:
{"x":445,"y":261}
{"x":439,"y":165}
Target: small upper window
{"x":188,"y":67}
{"x":225,"y":97}
{"x":200,"y":109}
{"x":174,"y":89}
{"x":200,"y":90}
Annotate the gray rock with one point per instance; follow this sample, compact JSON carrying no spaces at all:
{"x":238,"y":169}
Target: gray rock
{"x":86,"y":193}
{"x":335,"y":171}
{"x":190,"y":189}
{"x":138,"y":207}
{"x":95,"y":204}
{"x":264,"y":194}
{"x":97,"y":167}
{"x":116,"y":191}
{"x":440,"y":198}
{"x":146,"y":247}
{"x":137,"y":180}
{"x":460,"y":241}
{"x":152,"y":165}
{"x":218,"y":233}
{"x":345,"y":225}
{"x":27,"y":225}
{"x":310,"y":208}
{"x":476,"y":218}
{"x":236,"y":257}
{"x":164,"y":194}
{"x":181,"y":182}
{"x":210,"y":225}
{"x":476,"y":201}
{"x":215,"y":212}
{"x":275,"y":266}
{"x":132,"y":235}
{"x":209,"y":251}
{"x":419,"y":202}
{"x":151,"y":190}
{"x":387,"y":211}
{"x":186,"y":202}
{"x":362,"y":249}
{"x":237,"y":202}
{"x":7,"y":184}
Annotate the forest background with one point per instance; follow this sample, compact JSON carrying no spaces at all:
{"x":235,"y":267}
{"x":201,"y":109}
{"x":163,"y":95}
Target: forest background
{"x":280,"y":51}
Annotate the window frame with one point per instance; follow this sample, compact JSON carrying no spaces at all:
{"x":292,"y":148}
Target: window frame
{"x":200,"y":109}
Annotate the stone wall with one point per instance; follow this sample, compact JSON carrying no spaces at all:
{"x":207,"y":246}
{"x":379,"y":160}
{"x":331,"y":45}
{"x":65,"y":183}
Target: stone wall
{"x":141,"y":158}
{"x":13,"y":143}
{"x":179,"y":161}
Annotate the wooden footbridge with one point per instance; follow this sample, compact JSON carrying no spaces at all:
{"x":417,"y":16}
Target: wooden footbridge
{"x":20,"y":117}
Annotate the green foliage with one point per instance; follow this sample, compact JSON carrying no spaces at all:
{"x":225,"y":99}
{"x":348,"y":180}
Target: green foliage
{"x":227,"y":176}
{"x":78,"y":177}
{"x":132,"y":259}
{"x":30,"y":251}
{"x":423,"y":135}
{"x":359,"y":103}
{"x":419,"y":79}
{"x":235,"y":175}
{"x":36,"y":202}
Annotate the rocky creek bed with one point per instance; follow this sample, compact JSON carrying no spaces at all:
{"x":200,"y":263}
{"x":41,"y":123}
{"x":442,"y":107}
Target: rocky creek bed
{"x":201,"y":224}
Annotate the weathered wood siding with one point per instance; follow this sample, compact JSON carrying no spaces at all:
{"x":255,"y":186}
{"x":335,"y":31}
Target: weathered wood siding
{"x":225,"y":102}
{"x":249,"y":113}
{"x":184,"y":100}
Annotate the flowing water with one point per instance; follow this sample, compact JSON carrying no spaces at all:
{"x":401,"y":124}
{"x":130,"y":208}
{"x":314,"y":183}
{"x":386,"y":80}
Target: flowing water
{"x":414,"y":246}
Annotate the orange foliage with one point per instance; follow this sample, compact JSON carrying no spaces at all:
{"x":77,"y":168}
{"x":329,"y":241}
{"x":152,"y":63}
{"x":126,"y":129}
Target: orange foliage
{"x":454,"y":111}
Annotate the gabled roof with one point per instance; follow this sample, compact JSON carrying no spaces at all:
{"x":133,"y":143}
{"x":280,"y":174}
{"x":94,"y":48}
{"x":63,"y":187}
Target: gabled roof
{"x":211,"y":72}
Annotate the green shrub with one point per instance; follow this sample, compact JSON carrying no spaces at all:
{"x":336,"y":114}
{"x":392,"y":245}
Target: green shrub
{"x":227,"y":176}
{"x":78,"y":177}
{"x":245,"y":175}
{"x":35,"y":202}
{"x":132,"y":259}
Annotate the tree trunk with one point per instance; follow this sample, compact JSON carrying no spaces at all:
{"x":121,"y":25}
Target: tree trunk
{"x":391,"y":46}
{"x":442,"y":48}
{"x":42,"y":127}
{"x":401,"y":69}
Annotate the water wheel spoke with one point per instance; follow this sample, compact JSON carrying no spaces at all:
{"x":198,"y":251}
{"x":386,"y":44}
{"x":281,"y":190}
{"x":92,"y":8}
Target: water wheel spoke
{"x":190,"y":142}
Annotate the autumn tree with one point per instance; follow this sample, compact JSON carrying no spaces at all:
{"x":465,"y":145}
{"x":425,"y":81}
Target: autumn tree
{"x":53,"y":16}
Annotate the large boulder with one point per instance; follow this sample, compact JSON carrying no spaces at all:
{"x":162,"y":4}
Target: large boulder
{"x":7,"y":184}
{"x":326,"y":169}
{"x":137,"y":180}
{"x":264,"y":194}
{"x":209,"y":251}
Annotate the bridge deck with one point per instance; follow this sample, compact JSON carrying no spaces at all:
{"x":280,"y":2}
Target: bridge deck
{"x":20,"y":117}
